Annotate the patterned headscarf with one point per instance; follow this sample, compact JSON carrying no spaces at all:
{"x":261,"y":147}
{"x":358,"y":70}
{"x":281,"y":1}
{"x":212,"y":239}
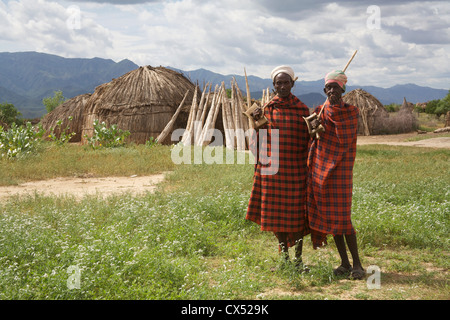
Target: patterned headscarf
{"x":338,"y":77}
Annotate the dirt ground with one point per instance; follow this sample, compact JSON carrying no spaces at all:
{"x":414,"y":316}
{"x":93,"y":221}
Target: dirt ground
{"x":433,"y":140}
{"x":79,"y":187}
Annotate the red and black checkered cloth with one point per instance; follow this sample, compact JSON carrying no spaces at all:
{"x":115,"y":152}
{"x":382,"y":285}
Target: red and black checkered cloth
{"x":278,"y":196}
{"x":330,"y":173}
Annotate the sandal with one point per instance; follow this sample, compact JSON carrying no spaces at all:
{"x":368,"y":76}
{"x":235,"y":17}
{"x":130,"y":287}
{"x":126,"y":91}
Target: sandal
{"x":358,"y":274}
{"x":341,"y":271}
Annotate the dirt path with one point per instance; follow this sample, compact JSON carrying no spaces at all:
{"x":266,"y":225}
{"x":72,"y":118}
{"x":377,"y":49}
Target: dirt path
{"x":436,"y":140}
{"x":80,"y":187}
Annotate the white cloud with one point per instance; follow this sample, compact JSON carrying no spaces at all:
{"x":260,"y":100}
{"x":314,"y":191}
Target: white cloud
{"x":314,"y":36}
{"x":50,"y":27}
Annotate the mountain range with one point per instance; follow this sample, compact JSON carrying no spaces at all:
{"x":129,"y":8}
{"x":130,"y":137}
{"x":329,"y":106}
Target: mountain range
{"x":28,"y":77}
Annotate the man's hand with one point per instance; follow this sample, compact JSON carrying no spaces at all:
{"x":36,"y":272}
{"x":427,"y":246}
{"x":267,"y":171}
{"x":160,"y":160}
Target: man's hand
{"x":257,"y":114}
{"x":314,"y":123}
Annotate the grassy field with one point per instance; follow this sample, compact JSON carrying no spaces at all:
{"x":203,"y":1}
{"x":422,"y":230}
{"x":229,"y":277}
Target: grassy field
{"x":189,"y":239}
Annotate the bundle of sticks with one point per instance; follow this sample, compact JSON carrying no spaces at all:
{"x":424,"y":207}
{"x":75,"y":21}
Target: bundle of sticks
{"x":204,"y":112}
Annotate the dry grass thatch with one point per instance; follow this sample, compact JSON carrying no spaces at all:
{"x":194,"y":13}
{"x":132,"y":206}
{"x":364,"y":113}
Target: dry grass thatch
{"x":141,"y":101}
{"x":372,"y":113}
{"x":71,"y":108}
{"x":374,"y":118}
{"x":405,"y":120}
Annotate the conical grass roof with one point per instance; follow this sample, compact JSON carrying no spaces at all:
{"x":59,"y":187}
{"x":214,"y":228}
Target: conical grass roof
{"x":141,"y":101}
{"x":371,"y":111}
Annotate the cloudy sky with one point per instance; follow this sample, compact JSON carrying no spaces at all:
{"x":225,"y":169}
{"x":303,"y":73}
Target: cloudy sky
{"x":398,"y":42}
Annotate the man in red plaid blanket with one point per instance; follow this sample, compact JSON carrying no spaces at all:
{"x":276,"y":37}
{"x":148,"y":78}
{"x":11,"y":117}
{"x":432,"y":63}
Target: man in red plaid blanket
{"x":330,"y":175}
{"x":278,"y":196}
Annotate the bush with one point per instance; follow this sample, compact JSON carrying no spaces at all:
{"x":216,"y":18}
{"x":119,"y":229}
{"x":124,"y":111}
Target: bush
{"x":151,"y":142}
{"x":431,"y":106}
{"x":107,"y":137}
{"x":400,"y":122}
{"x":9,"y":114}
{"x":393,"y":107}
{"x":19,"y":140}
{"x":443,"y":106}
{"x":64,"y":136}
{"x":51,"y":103}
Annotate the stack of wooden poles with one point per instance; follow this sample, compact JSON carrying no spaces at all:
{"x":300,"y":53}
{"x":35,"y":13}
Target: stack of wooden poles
{"x":203,"y":115}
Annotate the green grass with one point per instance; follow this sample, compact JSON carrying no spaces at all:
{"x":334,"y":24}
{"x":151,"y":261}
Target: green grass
{"x":428,"y":136}
{"x":402,"y":196}
{"x":78,"y":161}
{"x":189,"y":239}
{"x":429,"y":122}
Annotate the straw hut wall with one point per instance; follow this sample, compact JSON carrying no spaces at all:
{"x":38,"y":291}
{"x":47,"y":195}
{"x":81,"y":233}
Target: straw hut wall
{"x":402,"y":121}
{"x":141,"y":101}
{"x":71,"y":108}
{"x":372,"y":113}
{"x":405,"y":119}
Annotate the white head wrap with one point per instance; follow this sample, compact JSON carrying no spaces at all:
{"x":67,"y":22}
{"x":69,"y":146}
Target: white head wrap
{"x":283,"y":69}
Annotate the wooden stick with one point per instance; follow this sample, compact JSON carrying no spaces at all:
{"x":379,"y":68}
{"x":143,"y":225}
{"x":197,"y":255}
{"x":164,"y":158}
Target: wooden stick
{"x":211,"y":119}
{"x":240,"y":121}
{"x":170,"y":124}
{"x":354,"y":53}
{"x":227,"y":119}
{"x":202,"y":108}
{"x":250,"y":122}
{"x":206,"y":106}
{"x":208,"y":119}
{"x":241,"y":110}
{"x":249,"y":103}
{"x":187,"y":135}
{"x":200,"y":105}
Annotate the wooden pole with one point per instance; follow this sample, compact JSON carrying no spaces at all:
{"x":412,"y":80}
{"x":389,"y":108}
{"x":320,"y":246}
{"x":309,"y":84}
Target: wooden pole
{"x":187,"y":135}
{"x":200,"y":118}
{"x":241,"y":110}
{"x":239,"y":120}
{"x":170,"y":124}
{"x":212,"y":115}
{"x":348,"y":63}
{"x":227,"y":123}
{"x":249,"y":98}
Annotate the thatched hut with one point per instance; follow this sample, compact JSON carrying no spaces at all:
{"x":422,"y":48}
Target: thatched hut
{"x":141,"y":101}
{"x":407,"y":106}
{"x":73,"y":108}
{"x":372,"y":113}
{"x":405,"y":119}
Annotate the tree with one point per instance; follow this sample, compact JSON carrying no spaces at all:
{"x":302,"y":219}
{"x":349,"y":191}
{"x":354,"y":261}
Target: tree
{"x":443,"y":106}
{"x":9,"y":114}
{"x":51,"y":103}
{"x":393,"y":107}
{"x":431,"y":106}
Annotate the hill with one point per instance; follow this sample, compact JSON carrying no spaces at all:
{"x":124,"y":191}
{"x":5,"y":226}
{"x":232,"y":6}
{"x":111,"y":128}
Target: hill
{"x":312,"y":91}
{"x":28,"y":77}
